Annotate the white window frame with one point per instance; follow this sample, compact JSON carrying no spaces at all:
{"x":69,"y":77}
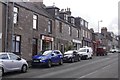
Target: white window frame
{"x":16,"y":43}
{"x":77,"y":33}
{"x":15,"y":15}
{"x":56,"y":12}
{"x":73,"y":21}
{"x":82,"y":22}
{"x":50,"y":26}
{"x":35,"y":18}
{"x":69,"y":30}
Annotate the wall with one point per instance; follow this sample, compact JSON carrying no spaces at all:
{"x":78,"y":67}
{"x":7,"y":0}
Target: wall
{"x":0,"y":26}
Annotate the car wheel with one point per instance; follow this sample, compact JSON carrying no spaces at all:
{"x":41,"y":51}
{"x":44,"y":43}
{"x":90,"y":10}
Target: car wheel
{"x":2,"y":72}
{"x":61,"y":61}
{"x":72,"y":60}
{"x":91,"y":57}
{"x":49,"y":64}
{"x":86,"y":57}
{"x":24,"y":68}
{"x":79,"y":58}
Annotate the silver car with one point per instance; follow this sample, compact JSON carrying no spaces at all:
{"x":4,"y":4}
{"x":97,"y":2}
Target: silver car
{"x":11,"y":62}
{"x":0,"y":71}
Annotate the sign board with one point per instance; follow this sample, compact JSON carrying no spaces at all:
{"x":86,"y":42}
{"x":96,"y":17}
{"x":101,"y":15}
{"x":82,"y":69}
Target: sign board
{"x":47,"y":38}
{"x":76,"y":41}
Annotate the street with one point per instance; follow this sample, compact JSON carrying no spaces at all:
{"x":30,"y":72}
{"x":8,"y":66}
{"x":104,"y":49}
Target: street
{"x":98,"y":67}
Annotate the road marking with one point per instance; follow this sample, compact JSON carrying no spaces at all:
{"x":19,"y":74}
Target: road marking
{"x":68,"y":69}
{"x":94,"y":71}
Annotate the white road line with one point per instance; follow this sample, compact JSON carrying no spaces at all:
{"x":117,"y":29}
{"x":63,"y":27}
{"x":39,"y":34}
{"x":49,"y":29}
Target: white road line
{"x":69,"y":69}
{"x":94,"y":71}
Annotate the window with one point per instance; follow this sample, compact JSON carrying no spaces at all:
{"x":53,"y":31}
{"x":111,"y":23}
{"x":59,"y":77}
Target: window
{"x":56,"y":12}
{"x":35,"y":19}
{"x":77,"y":33}
{"x":86,"y":24}
{"x":83,"y":33}
{"x":60,"y":25}
{"x":15,"y":17}
{"x":82,"y":22}
{"x":72,"y":21}
{"x":34,"y":46}
{"x":13,"y":56}
{"x":56,"y":52}
{"x":16,"y":43}
{"x":70,"y":31}
{"x":65,"y":17}
{"x":4,"y":56}
{"x":49,"y":26}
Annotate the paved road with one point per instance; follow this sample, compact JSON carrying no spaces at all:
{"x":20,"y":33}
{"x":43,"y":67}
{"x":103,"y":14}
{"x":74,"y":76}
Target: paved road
{"x":98,"y":67}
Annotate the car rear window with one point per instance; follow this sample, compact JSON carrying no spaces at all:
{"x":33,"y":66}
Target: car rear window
{"x":4,"y":56}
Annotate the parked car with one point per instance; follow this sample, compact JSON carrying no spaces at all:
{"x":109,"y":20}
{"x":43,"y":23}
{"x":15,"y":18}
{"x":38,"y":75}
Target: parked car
{"x":11,"y":62}
{"x":101,"y":51}
{"x":1,"y":71}
{"x":86,"y":52}
{"x":114,"y":50}
{"x":48,"y":58}
{"x":71,"y":56}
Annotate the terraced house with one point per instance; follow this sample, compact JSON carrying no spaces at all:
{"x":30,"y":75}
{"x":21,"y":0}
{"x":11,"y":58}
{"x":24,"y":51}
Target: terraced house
{"x":27,"y":28}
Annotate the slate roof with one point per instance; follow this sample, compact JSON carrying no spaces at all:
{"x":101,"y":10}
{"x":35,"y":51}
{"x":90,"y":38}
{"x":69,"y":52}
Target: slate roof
{"x":35,"y":7}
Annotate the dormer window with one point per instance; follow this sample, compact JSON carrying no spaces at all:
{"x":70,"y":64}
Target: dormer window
{"x":86,"y":24}
{"x":65,"y":17}
{"x":82,"y":22}
{"x":72,"y":21}
{"x":56,"y":12}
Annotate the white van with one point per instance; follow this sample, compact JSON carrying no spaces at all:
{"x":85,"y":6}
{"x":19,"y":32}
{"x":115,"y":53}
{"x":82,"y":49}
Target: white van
{"x":86,"y":52}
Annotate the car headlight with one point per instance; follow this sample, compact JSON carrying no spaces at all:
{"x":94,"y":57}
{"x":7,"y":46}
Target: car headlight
{"x":43,"y":58}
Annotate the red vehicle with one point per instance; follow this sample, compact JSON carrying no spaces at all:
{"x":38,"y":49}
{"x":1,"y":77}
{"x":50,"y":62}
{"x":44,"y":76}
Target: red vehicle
{"x":101,"y":51}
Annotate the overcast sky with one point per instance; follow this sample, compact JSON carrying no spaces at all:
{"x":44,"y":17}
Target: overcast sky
{"x":92,"y":11}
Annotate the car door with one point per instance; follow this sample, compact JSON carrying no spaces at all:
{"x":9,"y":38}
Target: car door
{"x":88,"y":53}
{"x":4,"y":59}
{"x":58,"y":57}
{"x":16,"y":64}
{"x":75,"y":55}
{"x":53,"y":57}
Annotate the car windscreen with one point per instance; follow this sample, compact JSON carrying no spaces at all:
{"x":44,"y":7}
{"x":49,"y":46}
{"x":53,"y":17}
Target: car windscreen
{"x":68,"y":53}
{"x":39,"y":53}
{"x":47,"y":52}
{"x":82,"y":50}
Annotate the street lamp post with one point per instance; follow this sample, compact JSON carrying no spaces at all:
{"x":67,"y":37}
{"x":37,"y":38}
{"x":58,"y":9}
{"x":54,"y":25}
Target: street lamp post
{"x":98,"y":24}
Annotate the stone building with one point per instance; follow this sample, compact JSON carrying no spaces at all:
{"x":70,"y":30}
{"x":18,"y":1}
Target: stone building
{"x":27,"y":28}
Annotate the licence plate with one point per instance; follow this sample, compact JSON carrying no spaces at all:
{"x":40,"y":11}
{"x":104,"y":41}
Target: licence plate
{"x":36,"y":61}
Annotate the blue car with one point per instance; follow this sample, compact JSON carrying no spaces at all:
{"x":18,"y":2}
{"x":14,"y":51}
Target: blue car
{"x":48,"y":58}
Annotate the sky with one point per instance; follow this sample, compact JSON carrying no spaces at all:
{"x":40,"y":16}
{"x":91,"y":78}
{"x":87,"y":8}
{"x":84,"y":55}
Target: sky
{"x":92,"y":11}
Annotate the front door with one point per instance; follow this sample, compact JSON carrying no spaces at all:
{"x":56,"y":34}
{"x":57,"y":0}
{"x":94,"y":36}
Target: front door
{"x":34,"y":46}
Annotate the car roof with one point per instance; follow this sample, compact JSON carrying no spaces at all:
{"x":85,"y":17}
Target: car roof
{"x":5,"y":52}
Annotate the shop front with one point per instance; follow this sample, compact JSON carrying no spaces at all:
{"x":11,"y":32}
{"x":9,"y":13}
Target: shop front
{"x":46,"y":43}
{"x":76,"y":44}
{"x":86,"y":42}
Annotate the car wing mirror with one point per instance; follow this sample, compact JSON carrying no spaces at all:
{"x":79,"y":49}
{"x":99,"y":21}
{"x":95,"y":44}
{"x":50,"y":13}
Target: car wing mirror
{"x":52,"y":54}
{"x":87,"y":51}
{"x":18,"y":58}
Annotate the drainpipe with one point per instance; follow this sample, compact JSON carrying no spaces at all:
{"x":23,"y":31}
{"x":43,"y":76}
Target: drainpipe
{"x":12,"y":32}
{"x":6,"y":30}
